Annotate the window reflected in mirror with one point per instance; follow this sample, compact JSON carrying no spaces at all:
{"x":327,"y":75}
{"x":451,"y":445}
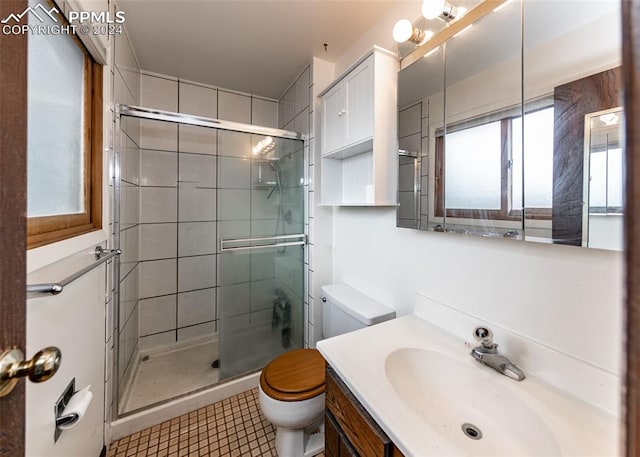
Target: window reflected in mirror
{"x":604,"y":180}
{"x":504,"y":150}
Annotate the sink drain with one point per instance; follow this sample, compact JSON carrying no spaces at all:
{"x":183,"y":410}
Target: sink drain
{"x":471,"y":431}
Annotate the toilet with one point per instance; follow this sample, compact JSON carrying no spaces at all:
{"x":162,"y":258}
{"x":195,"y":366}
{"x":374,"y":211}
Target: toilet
{"x":291,"y":390}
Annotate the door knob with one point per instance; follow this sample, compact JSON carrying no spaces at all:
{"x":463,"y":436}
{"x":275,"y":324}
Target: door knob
{"x":42,"y":366}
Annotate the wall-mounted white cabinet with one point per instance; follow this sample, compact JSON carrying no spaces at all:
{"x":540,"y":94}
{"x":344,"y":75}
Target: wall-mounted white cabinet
{"x":359,"y":141}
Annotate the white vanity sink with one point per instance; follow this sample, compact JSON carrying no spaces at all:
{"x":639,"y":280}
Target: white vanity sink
{"x":421,"y":385}
{"x":455,"y":397}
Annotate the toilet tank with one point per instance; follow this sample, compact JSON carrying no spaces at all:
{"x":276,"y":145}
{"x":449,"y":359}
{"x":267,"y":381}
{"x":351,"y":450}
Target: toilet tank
{"x":345,"y":309}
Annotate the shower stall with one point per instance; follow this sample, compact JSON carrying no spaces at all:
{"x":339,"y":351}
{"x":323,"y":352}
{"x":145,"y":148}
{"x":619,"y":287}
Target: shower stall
{"x":209,"y":216}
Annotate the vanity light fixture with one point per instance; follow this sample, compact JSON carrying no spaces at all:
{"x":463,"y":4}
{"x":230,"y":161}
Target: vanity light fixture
{"x":432,"y":9}
{"x":405,"y":31}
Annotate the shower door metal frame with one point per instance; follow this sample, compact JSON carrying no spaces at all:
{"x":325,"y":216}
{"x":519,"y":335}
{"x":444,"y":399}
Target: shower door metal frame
{"x":176,"y":118}
{"x":180,"y":118}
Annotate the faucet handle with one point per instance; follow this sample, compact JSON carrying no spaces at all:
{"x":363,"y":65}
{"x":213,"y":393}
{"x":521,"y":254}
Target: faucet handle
{"x":484,"y":336}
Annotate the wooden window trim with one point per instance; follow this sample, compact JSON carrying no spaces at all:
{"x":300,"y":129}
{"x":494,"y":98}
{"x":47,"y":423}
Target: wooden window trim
{"x":50,"y":229}
{"x":502,"y":214}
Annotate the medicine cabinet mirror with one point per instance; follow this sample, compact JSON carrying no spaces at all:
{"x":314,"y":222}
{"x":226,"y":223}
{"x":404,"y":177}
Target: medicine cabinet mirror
{"x":510,"y":128}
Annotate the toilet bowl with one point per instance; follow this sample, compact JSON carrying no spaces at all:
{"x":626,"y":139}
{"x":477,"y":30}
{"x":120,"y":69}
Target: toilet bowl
{"x":291,"y":391}
{"x":291,"y":397}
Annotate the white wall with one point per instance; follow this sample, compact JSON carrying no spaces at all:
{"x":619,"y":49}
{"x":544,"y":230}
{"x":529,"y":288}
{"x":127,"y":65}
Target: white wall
{"x":566,"y":297}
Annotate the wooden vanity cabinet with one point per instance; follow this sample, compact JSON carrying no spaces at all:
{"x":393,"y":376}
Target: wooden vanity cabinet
{"x":349,"y":429}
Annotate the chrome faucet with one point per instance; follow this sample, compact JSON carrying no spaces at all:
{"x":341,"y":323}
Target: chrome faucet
{"x":487,"y":353}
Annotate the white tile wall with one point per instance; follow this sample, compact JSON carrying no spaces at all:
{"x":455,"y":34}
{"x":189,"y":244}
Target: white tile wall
{"x":196,"y":307}
{"x":196,"y":272}
{"x":124,"y":58}
{"x":234,"y":173}
{"x":234,"y":204}
{"x":158,"y":168}
{"x":157,"y":314}
{"x":121,"y":91}
{"x":234,"y":270}
{"x":264,"y":112}
{"x":129,"y":205}
{"x":128,"y":297}
{"x":158,"y":204}
{"x":123,"y":68}
{"x":158,"y":135}
{"x":130,"y":162}
{"x":198,"y":100}
{"x":287,"y":107}
{"x":234,"y":144}
{"x":301,"y":123}
{"x":233,"y":229}
{"x":196,"y":238}
{"x":158,"y":241}
{"x":158,"y":340}
{"x":195,"y":331}
{"x":201,"y":140}
{"x":130,"y":256}
{"x":199,"y":169}
{"x":157,"y":277}
{"x":159,"y":93}
{"x":301,"y":92}
{"x":234,"y":107}
{"x":263,"y":208}
{"x":196,"y":204}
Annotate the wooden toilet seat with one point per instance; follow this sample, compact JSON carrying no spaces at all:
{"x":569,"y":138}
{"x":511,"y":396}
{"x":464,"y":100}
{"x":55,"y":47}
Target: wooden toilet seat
{"x":294,"y":376}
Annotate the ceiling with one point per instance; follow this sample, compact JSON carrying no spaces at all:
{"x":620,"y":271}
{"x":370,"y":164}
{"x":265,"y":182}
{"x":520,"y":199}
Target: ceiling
{"x":252,"y":46}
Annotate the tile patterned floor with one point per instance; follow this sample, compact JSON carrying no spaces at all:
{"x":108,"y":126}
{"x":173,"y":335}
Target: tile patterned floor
{"x":229,"y":428}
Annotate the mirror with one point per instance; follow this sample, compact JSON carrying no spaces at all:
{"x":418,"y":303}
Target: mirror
{"x":603,"y":180}
{"x":504,"y":139}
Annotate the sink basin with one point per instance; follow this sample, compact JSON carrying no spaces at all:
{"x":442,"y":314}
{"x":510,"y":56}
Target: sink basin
{"x":453,"y":397}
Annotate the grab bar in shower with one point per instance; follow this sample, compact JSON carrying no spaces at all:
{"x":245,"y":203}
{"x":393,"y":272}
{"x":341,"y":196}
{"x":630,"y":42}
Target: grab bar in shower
{"x":269,"y":242}
{"x":54,"y":288}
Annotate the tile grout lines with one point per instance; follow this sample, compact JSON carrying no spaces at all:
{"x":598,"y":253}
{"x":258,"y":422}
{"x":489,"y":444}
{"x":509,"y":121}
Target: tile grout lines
{"x":233,"y":427}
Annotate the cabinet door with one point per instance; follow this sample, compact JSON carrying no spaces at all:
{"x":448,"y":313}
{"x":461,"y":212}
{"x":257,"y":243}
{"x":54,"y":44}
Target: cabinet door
{"x":359,"y":87}
{"x":334,"y":119}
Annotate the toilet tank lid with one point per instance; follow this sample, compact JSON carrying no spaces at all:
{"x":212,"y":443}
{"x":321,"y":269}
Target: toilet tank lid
{"x":358,"y":305}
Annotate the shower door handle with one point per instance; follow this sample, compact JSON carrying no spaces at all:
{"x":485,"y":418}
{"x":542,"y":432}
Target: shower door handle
{"x":264,"y":242}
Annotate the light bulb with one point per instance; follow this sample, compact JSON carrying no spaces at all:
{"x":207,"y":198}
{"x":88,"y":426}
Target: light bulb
{"x":402,"y":31}
{"x":431,"y":9}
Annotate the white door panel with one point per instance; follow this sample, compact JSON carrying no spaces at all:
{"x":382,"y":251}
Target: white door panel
{"x":73,"y":321}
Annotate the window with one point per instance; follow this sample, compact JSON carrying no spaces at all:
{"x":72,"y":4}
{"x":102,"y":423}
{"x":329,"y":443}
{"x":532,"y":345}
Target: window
{"x":64,"y":139}
{"x":482,"y":168}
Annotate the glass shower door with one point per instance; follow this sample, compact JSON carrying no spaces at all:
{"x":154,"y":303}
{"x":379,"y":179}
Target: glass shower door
{"x":261,"y":247}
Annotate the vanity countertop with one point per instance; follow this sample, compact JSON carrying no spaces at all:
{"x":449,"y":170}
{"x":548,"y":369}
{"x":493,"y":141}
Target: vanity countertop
{"x":530,"y":417}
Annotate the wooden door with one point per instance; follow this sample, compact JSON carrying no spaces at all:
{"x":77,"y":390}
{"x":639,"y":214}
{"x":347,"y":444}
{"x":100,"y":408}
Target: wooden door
{"x":631,"y":77}
{"x":13,"y":204}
